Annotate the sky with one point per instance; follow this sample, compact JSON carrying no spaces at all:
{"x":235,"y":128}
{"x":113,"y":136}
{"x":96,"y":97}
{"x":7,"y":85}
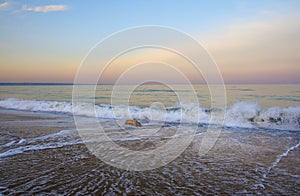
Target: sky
{"x":255,"y":41}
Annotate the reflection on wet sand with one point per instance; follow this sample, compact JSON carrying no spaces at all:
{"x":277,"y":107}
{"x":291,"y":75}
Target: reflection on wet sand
{"x":43,"y":153}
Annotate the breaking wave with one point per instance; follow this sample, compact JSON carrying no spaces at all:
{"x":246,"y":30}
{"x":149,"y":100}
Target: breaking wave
{"x":241,"y":114}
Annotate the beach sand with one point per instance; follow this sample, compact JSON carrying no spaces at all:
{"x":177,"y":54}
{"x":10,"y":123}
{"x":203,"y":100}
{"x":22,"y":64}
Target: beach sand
{"x":37,"y":157}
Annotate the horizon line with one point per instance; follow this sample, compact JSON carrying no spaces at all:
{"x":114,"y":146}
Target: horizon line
{"x":69,"y":84}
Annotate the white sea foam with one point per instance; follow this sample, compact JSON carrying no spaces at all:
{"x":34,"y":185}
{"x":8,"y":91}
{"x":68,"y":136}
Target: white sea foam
{"x":21,"y":141}
{"x":251,"y":115}
{"x":50,"y":145}
{"x":11,"y":143}
{"x":279,"y":157}
{"x":275,"y":164}
{"x":241,"y":114}
{"x":54,"y":140}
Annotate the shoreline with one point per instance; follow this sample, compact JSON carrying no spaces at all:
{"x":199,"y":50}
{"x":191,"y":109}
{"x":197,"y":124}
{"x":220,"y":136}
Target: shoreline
{"x":49,"y":160}
{"x":28,"y":124}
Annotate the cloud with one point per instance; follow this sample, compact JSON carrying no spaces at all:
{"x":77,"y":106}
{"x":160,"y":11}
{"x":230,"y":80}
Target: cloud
{"x":46,"y":8}
{"x":4,"y":5}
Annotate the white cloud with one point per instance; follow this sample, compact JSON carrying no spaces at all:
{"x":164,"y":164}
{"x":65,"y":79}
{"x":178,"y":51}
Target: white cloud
{"x":46,"y":8}
{"x":4,"y":5}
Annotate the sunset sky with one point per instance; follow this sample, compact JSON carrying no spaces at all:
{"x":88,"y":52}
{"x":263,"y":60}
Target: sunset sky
{"x":251,"y":41}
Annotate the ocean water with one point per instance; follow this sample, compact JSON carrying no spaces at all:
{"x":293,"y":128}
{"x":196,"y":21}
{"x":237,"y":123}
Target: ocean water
{"x":275,"y":95}
{"x":252,"y":106}
{"x":256,"y":152}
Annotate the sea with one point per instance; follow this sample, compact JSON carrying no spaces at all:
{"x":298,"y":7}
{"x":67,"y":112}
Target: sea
{"x":57,"y":149}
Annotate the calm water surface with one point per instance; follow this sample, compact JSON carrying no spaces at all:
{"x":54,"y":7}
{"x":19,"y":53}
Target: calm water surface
{"x":265,"y":95}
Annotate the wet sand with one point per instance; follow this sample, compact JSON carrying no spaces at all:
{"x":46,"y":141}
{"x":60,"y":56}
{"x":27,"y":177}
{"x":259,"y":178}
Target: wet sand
{"x":241,"y":162}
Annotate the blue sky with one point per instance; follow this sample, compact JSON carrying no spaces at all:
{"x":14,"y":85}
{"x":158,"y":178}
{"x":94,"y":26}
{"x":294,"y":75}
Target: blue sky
{"x":43,"y":38}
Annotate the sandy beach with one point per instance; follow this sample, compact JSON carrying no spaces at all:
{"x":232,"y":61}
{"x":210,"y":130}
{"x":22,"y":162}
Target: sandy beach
{"x":37,"y":157}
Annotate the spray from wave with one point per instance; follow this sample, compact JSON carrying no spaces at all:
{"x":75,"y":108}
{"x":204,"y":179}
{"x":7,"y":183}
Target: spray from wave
{"x":241,"y":114}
